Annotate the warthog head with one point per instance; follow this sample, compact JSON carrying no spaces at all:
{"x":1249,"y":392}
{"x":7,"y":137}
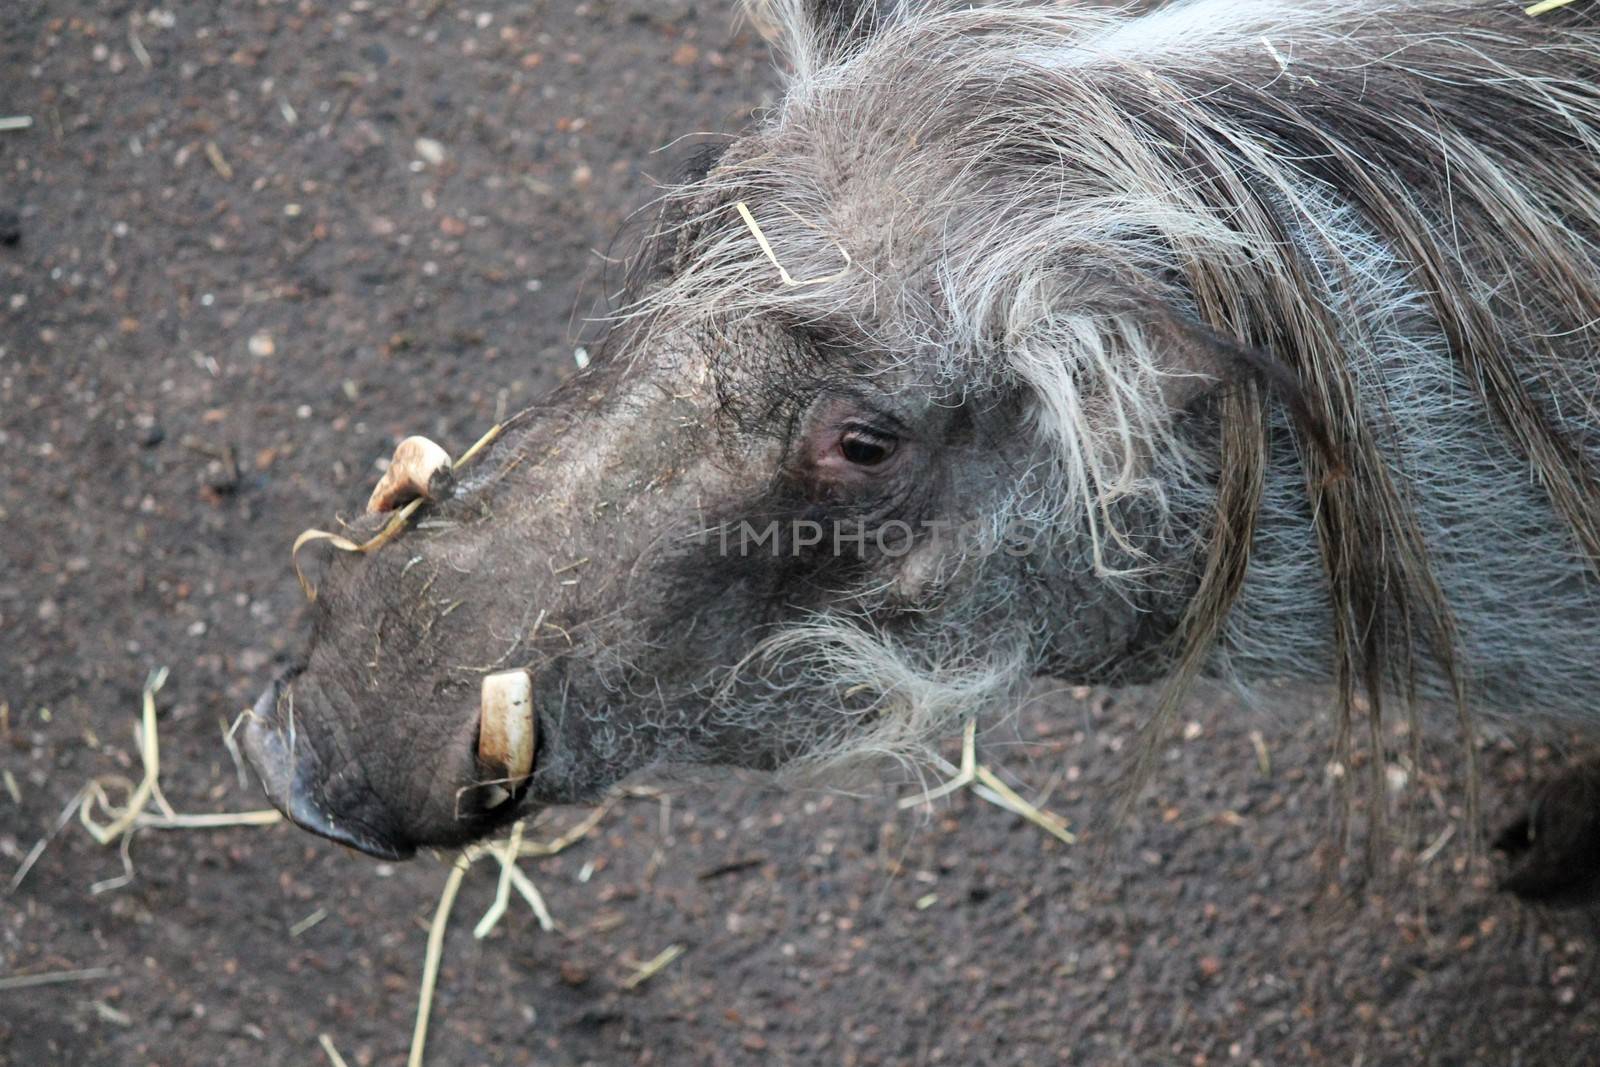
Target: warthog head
{"x":807,"y":504}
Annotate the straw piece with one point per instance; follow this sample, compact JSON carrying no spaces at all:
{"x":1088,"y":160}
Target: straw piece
{"x":1049,"y":822}
{"x":788,"y":279}
{"x":982,"y":781}
{"x":332,"y":1053}
{"x":219,"y":162}
{"x":308,"y":922}
{"x":150,"y":754}
{"x":390,"y":531}
{"x":482,"y":443}
{"x":530,"y":893}
{"x":652,"y":968}
{"x":28,"y":981}
{"x":140,"y":52}
{"x":1263,"y":756}
{"x":125,"y":853}
{"x":430,"y":962}
{"x":507,"y":855}
{"x":963,"y":778}
{"x":40,"y":845}
{"x":572,"y":836}
{"x":233,"y":746}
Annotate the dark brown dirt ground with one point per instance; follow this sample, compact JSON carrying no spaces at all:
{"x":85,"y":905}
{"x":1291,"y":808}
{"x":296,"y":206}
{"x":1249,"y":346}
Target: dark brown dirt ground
{"x":401,"y":295}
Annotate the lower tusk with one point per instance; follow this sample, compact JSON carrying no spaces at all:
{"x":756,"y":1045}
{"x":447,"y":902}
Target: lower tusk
{"x":506,"y":730}
{"x":419,"y":468}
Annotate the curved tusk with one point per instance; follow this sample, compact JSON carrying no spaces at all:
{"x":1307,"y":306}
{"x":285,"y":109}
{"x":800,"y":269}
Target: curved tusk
{"x":419,"y":468}
{"x":506,"y":730}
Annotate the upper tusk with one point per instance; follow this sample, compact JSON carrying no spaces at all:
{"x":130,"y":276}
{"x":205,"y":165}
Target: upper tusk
{"x":506,"y":730}
{"x":419,"y":468}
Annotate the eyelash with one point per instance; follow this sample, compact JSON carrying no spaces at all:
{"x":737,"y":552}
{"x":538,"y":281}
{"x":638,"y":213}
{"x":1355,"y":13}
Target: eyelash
{"x":873,"y":448}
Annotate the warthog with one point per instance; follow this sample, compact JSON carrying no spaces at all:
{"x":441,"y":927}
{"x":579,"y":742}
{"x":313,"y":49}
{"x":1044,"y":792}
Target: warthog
{"x":1232,"y":338}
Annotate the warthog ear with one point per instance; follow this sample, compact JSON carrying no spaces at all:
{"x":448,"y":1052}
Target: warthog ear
{"x":1220,"y":360}
{"x":1136,"y":332}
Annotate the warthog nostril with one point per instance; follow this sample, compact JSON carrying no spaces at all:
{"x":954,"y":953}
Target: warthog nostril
{"x":506,"y":730}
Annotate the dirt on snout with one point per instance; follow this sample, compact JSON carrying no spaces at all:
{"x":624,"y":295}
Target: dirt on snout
{"x":243,"y":249}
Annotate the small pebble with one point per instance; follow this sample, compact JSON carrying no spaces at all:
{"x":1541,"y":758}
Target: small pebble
{"x":430,"y":151}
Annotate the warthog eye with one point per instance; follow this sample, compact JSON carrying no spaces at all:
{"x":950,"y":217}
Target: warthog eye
{"x":848,"y":449}
{"x":865,"y":448}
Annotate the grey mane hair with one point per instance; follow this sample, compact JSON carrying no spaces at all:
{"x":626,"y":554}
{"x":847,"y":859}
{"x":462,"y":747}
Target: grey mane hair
{"x":1061,"y":199}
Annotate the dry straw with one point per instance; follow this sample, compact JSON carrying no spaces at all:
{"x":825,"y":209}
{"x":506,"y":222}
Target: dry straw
{"x":125,"y":819}
{"x":147,"y":808}
{"x":766,"y":248}
{"x":988,"y":786}
{"x":507,"y":853}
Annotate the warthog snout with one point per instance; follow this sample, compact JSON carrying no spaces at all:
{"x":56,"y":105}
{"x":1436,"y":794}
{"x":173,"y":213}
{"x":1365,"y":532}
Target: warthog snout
{"x":292,"y":775}
{"x":322,"y":786}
